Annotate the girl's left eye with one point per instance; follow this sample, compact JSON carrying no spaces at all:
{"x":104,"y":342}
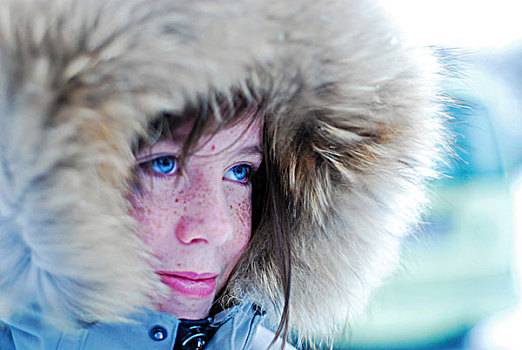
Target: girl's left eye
{"x":239,"y":173}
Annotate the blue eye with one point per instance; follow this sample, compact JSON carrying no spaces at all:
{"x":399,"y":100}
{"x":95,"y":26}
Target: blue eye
{"x":164,"y":165}
{"x":239,"y":173}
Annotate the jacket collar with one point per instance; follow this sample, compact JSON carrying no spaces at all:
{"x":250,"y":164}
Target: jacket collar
{"x":232,"y":328}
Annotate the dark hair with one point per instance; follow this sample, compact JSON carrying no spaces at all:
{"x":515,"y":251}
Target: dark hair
{"x":267,"y":193}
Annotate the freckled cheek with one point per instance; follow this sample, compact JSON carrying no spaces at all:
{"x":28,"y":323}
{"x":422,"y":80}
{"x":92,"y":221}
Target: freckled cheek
{"x":155,"y":212}
{"x":241,"y":214}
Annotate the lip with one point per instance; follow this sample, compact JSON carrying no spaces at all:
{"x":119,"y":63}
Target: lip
{"x":188,"y":283}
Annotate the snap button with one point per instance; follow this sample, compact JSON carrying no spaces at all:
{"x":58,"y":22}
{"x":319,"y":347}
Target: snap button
{"x":258,"y":310}
{"x":158,"y":333}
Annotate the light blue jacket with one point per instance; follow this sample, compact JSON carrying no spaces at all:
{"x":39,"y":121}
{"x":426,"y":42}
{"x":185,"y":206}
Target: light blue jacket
{"x":150,"y":330}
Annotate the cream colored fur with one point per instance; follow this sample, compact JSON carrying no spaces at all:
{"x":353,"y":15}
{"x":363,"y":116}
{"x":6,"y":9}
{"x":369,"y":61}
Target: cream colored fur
{"x":352,"y":115}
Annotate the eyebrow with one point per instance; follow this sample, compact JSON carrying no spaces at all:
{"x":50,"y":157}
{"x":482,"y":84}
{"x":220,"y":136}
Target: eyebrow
{"x":250,"y":151}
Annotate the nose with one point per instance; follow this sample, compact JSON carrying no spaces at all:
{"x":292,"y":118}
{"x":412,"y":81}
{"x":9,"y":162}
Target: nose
{"x":205,"y":216}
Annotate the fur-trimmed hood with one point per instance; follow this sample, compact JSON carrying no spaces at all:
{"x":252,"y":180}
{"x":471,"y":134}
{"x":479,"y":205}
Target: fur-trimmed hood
{"x":351,"y":113}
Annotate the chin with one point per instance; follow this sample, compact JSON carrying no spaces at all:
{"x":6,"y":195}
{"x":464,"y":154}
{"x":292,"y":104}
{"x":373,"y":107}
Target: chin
{"x":189,"y":309}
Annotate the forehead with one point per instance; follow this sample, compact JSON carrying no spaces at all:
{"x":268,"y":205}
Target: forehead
{"x":245,"y":135}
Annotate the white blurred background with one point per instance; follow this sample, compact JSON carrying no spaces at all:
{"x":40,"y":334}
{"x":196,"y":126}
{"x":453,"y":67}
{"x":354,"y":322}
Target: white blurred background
{"x":460,"y":284}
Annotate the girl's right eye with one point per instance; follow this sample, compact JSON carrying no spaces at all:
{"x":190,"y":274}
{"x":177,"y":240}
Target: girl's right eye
{"x":162,"y":165}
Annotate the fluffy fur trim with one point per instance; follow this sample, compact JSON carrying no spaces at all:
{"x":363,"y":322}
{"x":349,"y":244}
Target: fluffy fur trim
{"x":351,"y":114}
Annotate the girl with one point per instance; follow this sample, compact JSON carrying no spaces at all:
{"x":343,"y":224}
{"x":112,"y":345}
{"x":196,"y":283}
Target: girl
{"x":179,"y":174}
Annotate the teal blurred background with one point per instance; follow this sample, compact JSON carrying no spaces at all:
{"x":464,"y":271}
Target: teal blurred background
{"x":459,"y":283}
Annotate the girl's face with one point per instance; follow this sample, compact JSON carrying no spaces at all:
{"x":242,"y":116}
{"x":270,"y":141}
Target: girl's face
{"x":198,"y":223}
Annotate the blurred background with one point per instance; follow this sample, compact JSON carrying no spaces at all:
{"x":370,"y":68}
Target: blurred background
{"x":459,"y":286}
